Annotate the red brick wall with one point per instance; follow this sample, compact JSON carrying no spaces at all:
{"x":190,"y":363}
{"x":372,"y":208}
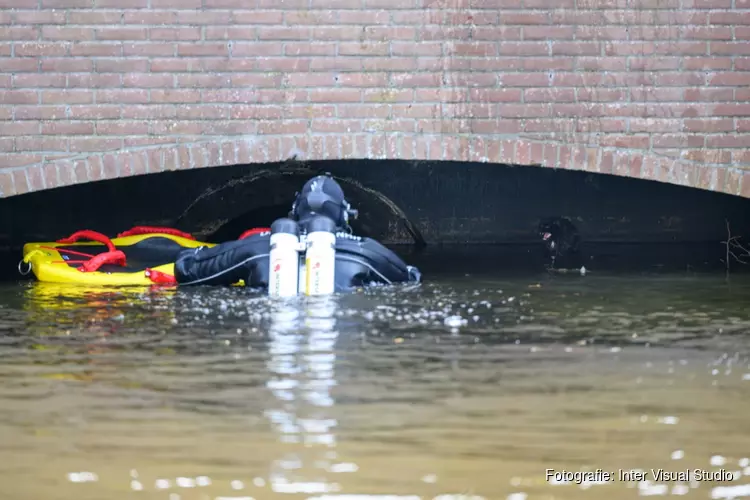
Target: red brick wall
{"x":93,"y":89}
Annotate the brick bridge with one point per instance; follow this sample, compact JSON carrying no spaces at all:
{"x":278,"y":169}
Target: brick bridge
{"x":99,"y":89}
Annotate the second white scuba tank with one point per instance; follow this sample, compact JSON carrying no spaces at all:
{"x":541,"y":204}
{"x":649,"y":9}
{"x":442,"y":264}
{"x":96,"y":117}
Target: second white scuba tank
{"x":320,"y":260}
{"x":283,"y":259}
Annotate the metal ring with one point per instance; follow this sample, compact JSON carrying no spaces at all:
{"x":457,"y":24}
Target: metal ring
{"x":20,"y":269}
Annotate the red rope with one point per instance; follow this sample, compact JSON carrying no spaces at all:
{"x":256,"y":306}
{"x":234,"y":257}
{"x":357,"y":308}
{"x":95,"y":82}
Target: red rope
{"x":112,"y":256}
{"x":71,"y":252}
{"x":89,"y":235}
{"x":160,"y":278}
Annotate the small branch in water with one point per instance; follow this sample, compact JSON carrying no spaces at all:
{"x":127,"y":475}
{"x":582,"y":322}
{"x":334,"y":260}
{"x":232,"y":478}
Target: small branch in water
{"x":735,"y":249}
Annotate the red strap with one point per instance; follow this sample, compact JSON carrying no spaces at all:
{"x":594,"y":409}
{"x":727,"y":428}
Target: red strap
{"x":160,"y":278}
{"x":136,"y":230}
{"x":255,"y":230}
{"x":67,"y":251}
{"x":93,"y":264}
{"x":89,"y":235}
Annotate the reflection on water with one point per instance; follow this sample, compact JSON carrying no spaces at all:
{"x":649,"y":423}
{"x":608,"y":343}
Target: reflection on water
{"x":467,"y":389}
{"x":301,"y":367}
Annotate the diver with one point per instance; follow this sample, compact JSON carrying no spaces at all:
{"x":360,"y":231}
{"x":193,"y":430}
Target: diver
{"x":359,"y":261}
{"x":561,"y":243}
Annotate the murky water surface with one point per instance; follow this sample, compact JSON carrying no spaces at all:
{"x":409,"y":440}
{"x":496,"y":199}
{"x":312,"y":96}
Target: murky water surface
{"x":466,"y":388}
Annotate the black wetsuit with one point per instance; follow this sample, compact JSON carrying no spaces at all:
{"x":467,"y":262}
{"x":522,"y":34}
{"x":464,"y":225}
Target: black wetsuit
{"x":359,"y":262}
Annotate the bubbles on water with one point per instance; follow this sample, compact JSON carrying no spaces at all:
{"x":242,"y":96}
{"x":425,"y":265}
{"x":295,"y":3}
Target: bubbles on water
{"x":343,"y":467}
{"x":718,"y":460}
{"x":429,"y":478}
{"x":680,"y":489}
{"x":449,"y":497}
{"x":82,"y":477}
{"x":185,"y":482}
{"x":162,"y":484}
{"x":455,"y":321}
{"x":136,"y":485}
{"x":678,"y":455}
{"x":377,"y":497}
{"x":282,"y":485}
{"x":647,"y":488}
{"x":259,"y":482}
{"x":517,"y":496}
{"x":668,"y":420}
{"x":730,"y":492}
{"x":237,"y":484}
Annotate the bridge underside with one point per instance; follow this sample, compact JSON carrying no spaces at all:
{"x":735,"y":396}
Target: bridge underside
{"x":430,"y":203}
{"x":92,"y":167}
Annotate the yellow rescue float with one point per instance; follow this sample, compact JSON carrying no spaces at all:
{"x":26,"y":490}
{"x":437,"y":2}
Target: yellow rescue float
{"x":143,"y":255}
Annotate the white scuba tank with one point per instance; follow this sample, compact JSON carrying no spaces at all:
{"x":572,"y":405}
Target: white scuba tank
{"x":320,"y":258}
{"x":283,"y":259}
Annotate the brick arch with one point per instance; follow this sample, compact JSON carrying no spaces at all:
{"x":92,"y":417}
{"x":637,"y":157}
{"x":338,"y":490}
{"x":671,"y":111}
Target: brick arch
{"x":477,"y":148}
{"x":661,"y":87}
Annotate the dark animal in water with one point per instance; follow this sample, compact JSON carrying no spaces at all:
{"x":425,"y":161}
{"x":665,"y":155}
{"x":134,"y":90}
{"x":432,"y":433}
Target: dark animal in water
{"x":561,"y":242}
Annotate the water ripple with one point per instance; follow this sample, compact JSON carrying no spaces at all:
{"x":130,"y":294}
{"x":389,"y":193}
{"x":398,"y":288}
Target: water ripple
{"x":446,"y":391}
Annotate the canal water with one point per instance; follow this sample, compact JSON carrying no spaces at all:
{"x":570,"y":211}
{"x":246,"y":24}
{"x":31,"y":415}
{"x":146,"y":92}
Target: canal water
{"x":470,"y":386}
